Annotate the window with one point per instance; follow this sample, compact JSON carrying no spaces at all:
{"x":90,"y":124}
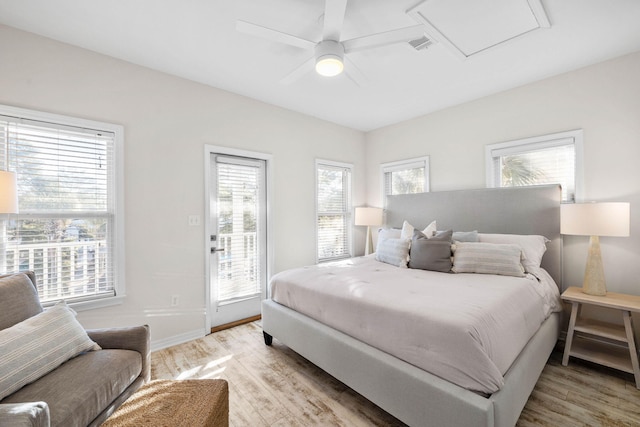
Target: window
{"x":406,"y":176}
{"x":333,"y":210}
{"x":548,"y":159}
{"x":68,"y":227}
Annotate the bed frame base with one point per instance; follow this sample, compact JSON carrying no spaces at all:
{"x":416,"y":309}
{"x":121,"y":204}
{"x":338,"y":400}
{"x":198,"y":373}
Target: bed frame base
{"x":268,"y":339}
{"x":412,"y":395}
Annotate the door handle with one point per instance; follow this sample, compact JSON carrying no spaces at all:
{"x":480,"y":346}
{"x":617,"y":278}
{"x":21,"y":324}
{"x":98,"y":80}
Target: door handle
{"x":213,"y":250}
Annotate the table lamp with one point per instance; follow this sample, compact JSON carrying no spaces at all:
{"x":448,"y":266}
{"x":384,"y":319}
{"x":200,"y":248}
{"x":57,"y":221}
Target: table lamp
{"x":369,"y":217}
{"x":595,"y":220}
{"x":8,"y":192}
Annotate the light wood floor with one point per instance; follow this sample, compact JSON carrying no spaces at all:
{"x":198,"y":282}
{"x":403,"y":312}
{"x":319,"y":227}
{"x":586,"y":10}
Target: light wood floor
{"x":273,"y":386}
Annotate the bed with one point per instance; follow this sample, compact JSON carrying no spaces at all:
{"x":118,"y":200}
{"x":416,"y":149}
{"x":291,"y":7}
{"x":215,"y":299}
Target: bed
{"x":399,"y":384}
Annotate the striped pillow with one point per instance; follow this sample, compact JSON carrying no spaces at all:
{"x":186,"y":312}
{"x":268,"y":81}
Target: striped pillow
{"x":488,"y":258}
{"x":393,"y":251}
{"x":36,"y":346}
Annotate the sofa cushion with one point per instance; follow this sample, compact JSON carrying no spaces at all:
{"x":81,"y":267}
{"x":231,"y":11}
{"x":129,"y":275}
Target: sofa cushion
{"x":19,"y":299}
{"x":38,"y":345}
{"x":27,"y":414}
{"x":80,"y":389}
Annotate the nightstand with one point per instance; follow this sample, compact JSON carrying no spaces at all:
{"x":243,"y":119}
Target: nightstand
{"x":617,"y":349}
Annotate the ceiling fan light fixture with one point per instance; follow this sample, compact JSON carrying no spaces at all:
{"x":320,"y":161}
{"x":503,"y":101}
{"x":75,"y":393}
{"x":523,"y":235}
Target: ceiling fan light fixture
{"x":329,"y":58}
{"x":329,"y":66}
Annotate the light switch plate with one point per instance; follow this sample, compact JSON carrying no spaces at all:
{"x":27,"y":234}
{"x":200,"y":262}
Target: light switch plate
{"x":194,"y":220}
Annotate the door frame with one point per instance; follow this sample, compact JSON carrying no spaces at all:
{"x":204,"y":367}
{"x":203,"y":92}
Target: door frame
{"x":268,"y":159}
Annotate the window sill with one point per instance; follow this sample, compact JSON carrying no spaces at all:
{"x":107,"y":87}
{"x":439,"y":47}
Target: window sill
{"x":97,"y":303}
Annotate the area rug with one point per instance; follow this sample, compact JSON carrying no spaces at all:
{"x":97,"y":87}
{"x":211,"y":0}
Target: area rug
{"x":175,"y":403}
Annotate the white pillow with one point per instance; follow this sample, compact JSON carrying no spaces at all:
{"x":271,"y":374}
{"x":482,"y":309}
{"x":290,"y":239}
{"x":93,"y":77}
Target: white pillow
{"x":430,"y":230}
{"x":532,"y":245}
{"x":487,"y":258}
{"x":393,"y":251}
{"x":407,"y":230}
{"x":36,"y":346}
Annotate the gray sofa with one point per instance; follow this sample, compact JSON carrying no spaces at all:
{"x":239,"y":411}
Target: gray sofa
{"x":86,"y":389}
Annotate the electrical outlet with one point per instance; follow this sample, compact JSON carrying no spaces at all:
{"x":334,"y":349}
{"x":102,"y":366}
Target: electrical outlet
{"x":175,"y":300}
{"x":194,"y":220}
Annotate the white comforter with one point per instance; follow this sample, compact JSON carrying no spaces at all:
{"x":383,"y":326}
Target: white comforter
{"x":465,"y":328}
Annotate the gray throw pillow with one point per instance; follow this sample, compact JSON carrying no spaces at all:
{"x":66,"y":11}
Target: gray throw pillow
{"x":431,"y":253}
{"x":465,"y":236}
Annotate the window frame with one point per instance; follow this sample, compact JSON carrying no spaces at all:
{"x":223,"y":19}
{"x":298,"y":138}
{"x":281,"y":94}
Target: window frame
{"x":573,"y":137}
{"x":348,"y":208}
{"x":118,"y":261}
{"x":399,"y":165}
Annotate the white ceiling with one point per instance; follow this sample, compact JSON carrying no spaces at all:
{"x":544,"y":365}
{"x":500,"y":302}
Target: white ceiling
{"x":197,"y":40}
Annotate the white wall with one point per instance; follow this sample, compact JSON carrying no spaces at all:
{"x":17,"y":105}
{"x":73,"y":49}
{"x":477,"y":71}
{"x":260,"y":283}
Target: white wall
{"x":167,"y":123}
{"x":602,"y":99}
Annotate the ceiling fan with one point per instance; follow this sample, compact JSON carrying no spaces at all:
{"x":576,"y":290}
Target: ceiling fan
{"x":330,"y":53}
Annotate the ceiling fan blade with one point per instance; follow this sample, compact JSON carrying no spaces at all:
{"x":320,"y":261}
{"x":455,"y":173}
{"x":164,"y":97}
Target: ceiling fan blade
{"x":273,"y":35}
{"x":381,"y":39}
{"x":302,"y":69}
{"x":333,"y":18}
{"x":354,"y":73}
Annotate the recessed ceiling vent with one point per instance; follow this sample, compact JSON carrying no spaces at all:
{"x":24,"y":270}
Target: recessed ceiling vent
{"x":422,"y":43}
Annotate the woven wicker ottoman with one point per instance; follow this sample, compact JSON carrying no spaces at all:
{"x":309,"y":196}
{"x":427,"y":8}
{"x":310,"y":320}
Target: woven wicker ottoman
{"x":192,"y":403}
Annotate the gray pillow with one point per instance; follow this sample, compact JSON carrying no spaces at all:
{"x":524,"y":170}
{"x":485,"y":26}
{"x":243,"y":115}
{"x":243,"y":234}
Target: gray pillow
{"x":465,"y":236}
{"x":431,"y":253}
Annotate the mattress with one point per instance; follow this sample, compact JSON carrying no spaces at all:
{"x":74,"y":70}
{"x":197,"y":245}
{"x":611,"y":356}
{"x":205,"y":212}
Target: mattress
{"x":465,"y":328}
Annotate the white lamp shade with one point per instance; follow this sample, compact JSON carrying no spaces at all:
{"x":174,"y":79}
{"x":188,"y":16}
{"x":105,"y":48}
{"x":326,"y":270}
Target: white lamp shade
{"x":8,"y":192}
{"x":368,"y":216}
{"x":595,"y":219}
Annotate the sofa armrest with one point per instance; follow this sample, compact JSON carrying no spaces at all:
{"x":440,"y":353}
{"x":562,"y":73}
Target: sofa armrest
{"x":28,"y":414}
{"x":135,"y":338}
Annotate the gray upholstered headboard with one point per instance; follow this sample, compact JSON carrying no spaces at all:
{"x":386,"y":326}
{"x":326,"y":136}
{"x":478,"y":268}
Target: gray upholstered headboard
{"x":522,"y":210}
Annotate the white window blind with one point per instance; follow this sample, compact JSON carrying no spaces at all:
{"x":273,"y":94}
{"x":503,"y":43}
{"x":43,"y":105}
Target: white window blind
{"x":406,"y":176}
{"x":550,"y":159}
{"x":333,"y":211}
{"x":64,"y":230}
{"x":239,"y":204}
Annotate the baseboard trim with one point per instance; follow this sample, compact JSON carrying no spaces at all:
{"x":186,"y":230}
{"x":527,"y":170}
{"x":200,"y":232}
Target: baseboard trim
{"x":195,"y":334}
{"x":177,"y":339}
{"x":236,"y":323}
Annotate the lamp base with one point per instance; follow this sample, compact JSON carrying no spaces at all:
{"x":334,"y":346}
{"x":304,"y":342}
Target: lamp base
{"x":369,"y":245}
{"x":594,"y":282}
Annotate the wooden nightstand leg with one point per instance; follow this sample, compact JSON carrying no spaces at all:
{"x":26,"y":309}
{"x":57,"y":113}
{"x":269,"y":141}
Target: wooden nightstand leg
{"x":628,"y":327}
{"x":575,"y":307}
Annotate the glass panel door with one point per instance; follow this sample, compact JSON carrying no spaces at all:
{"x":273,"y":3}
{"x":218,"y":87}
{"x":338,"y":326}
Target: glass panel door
{"x":238,"y":242}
